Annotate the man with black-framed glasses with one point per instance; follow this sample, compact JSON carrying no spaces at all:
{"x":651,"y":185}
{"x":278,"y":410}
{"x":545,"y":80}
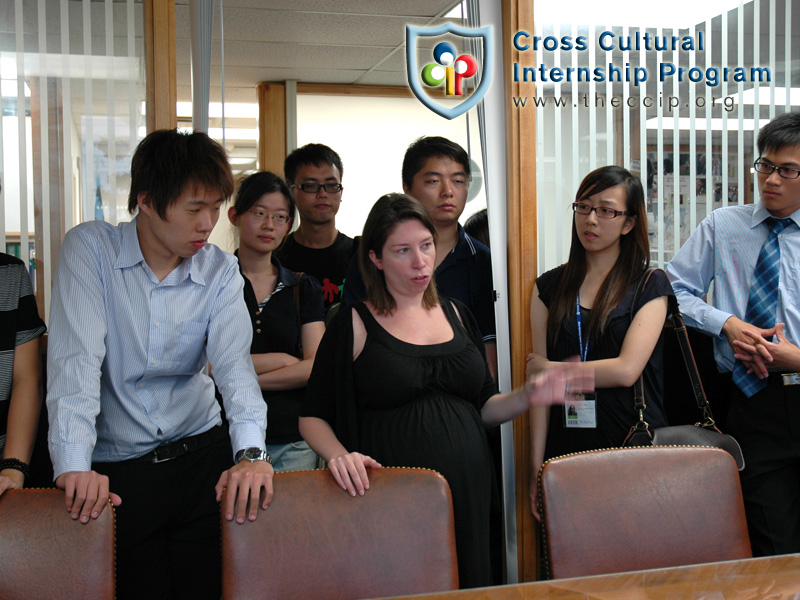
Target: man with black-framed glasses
{"x":314,"y":174}
{"x":751,"y":253}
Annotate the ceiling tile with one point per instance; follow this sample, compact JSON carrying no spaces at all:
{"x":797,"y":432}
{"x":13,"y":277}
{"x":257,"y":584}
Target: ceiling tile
{"x":412,"y":8}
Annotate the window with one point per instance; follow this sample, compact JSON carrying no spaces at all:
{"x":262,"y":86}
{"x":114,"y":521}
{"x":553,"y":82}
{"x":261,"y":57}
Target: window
{"x":72,"y":76}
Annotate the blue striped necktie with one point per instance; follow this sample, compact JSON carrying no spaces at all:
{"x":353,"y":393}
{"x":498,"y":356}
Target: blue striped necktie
{"x":763,"y":299}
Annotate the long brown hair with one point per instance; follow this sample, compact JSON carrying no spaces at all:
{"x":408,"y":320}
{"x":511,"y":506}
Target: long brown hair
{"x":386,"y":214}
{"x":633,"y":259}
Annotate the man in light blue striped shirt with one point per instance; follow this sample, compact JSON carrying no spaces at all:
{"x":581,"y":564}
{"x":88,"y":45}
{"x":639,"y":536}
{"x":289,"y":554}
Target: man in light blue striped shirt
{"x":138,"y":309}
{"x":725,"y":248}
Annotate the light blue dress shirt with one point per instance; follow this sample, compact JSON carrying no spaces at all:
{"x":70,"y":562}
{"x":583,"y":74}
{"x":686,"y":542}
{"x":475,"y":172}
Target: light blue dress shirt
{"x":126,"y":352}
{"x":724,"y":249}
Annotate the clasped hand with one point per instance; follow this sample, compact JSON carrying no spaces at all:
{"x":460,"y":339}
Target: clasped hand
{"x":758,"y":354}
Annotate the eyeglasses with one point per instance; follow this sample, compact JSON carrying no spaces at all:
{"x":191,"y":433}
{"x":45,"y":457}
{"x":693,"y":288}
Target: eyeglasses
{"x":601,"y":211}
{"x":313,"y":188}
{"x":261,"y":216}
{"x":768,"y":169}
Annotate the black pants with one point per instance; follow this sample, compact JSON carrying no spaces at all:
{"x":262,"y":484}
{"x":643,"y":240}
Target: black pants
{"x":168,"y":525}
{"x":767,"y":427}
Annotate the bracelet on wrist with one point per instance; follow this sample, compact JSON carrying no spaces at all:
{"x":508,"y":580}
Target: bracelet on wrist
{"x":16,"y":464}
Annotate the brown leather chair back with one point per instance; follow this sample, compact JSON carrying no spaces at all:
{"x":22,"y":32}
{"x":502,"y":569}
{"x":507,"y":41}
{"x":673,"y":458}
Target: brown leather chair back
{"x":627,"y":509}
{"x":44,"y":554}
{"x":316,"y":541}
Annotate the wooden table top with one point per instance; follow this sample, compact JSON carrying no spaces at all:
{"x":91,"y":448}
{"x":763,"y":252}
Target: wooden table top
{"x":773,"y":578}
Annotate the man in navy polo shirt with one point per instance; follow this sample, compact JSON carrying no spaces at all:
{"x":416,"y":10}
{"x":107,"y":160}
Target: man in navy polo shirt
{"x":436,"y":171}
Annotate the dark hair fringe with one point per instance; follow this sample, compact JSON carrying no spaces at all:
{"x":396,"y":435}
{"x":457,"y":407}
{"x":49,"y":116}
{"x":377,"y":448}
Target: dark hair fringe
{"x":782,"y":132}
{"x":252,"y":187}
{"x":424,"y":148}
{"x":167,"y":161}
{"x":386,"y":214}
{"x":633,"y":260}
{"x":310,"y":154}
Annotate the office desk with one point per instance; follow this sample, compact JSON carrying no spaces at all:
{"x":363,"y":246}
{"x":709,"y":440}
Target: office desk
{"x":776,"y":577}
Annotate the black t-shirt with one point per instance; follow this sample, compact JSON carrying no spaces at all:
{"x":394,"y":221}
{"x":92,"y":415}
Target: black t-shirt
{"x":327,"y":265}
{"x":615,"y":412}
{"x":275,"y":330}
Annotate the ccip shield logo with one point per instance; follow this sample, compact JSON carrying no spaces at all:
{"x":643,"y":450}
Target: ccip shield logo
{"x":448,"y":69}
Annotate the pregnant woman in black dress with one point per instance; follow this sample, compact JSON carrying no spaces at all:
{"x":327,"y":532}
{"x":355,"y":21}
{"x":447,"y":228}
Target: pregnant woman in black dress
{"x":402,"y":380}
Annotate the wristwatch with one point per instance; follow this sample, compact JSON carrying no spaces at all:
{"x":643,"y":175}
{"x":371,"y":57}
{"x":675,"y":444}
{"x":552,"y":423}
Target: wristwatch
{"x":252,"y":454}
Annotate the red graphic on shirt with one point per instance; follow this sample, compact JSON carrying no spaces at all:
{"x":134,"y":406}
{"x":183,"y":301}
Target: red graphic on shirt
{"x":329,"y":290}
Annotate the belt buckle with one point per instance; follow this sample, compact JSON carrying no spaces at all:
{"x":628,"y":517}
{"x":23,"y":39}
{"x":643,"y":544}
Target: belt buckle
{"x":173,"y":449}
{"x":157,"y":460}
{"x":790,"y":378}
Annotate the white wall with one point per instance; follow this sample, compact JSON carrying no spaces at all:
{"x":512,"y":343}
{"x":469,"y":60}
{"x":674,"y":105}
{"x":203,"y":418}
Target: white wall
{"x":371,"y":135}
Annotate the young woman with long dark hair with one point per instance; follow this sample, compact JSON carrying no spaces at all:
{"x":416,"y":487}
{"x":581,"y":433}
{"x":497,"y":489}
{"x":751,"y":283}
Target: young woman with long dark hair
{"x":583,"y":309}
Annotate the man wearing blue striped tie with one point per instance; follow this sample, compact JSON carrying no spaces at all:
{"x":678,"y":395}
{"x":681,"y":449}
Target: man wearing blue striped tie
{"x":751,"y":253}
{"x":138,"y":310}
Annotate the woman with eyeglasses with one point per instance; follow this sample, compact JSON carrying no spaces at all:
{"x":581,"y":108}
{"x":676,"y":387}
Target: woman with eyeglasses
{"x":581,"y":311}
{"x":286,"y":311}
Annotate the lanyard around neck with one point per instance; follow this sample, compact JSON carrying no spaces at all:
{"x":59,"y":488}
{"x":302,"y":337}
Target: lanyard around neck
{"x":584,"y":351}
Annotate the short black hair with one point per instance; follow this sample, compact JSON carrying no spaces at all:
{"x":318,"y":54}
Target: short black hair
{"x":782,"y":132}
{"x":166,"y":161}
{"x":421,"y":149}
{"x":310,"y":154}
{"x":478,"y":226}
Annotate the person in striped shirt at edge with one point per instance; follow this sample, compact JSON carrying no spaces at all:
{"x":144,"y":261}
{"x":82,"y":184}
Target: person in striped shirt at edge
{"x":751,"y":253}
{"x":20,"y":372}
{"x":138,"y":309}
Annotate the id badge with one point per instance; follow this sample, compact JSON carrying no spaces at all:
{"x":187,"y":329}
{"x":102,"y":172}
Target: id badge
{"x":581,"y":413}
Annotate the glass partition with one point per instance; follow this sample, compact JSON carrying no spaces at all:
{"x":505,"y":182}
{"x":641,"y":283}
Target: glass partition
{"x":676,"y":95}
{"x":72,"y":75}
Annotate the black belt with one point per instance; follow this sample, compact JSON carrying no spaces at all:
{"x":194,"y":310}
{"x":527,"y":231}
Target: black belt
{"x":183,"y":446}
{"x":783,"y":379}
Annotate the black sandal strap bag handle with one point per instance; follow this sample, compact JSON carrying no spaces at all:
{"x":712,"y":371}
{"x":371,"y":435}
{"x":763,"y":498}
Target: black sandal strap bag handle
{"x":703,"y":433}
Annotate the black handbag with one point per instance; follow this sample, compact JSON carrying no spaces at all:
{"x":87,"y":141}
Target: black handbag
{"x":703,"y":433}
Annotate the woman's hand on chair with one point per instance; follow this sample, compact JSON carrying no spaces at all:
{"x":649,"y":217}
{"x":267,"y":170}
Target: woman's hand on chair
{"x":350,"y":471}
{"x":533,"y":493}
{"x":11,"y":480}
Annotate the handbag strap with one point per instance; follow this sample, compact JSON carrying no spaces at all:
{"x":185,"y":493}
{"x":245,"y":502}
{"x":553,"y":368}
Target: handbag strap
{"x":676,"y":318}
